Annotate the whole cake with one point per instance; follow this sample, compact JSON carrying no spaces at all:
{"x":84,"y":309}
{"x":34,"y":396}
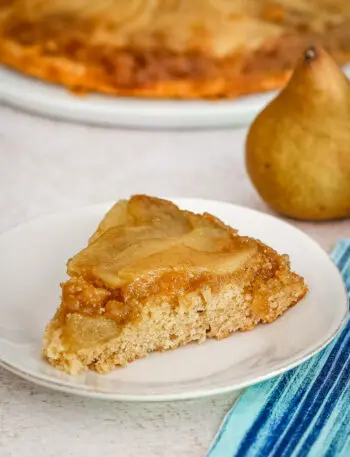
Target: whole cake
{"x":154,"y":277}
{"x":169,"y":48}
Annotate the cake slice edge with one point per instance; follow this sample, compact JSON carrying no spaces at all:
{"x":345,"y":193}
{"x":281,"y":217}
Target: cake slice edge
{"x":198,"y":315}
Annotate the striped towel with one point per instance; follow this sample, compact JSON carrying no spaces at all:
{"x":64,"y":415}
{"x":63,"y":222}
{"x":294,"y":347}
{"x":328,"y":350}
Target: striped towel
{"x":305,"y":412}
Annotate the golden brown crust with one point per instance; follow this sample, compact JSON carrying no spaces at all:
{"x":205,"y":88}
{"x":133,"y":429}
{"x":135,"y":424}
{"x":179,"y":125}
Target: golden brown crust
{"x":60,"y":49}
{"x":82,"y":78}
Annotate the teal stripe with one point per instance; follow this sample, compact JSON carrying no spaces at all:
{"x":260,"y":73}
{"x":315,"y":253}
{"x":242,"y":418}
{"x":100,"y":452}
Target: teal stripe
{"x":296,"y":389}
{"x":328,"y":404}
{"x":332,"y":438}
{"x":256,"y":397}
{"x":288,"y":412}
{"x":305,"y":412}
{"x":311,"y":404}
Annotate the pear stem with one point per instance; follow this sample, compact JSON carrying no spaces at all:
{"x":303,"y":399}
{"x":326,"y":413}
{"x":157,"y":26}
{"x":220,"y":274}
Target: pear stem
{"x":310,"y":54}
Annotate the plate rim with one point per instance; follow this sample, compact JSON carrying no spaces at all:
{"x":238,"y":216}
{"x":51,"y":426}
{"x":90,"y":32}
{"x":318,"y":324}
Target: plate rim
{"x":54,"y":101}
{"x":63,"y":386}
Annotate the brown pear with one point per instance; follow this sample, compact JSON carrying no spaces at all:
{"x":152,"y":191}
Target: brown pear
{"x":298,"y":148}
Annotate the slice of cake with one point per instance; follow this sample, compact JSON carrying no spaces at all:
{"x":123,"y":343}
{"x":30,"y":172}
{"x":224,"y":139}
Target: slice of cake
{"x":154,"y":277}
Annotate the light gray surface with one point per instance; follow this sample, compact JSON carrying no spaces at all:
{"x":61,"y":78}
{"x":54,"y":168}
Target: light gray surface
{"x":48,"y":166}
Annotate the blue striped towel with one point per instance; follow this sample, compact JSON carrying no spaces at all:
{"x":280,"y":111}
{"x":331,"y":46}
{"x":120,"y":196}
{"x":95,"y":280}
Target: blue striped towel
{"x":304,"y":412}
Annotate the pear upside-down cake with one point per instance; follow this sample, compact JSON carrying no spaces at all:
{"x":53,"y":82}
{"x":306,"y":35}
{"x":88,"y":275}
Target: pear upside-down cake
{"x":169,"y":48}
{"x":153,"y":278}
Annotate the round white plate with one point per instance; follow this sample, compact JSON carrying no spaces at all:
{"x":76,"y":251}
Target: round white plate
{"x":32,"y":262}
{"x":50,"y":100}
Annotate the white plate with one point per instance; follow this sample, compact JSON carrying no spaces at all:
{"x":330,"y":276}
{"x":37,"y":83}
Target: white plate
{"x":33,"y":95}
{"x":32,"y":262}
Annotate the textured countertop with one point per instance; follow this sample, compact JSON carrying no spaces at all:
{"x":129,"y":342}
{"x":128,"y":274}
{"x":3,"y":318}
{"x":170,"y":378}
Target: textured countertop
{"x":48,"y":166}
